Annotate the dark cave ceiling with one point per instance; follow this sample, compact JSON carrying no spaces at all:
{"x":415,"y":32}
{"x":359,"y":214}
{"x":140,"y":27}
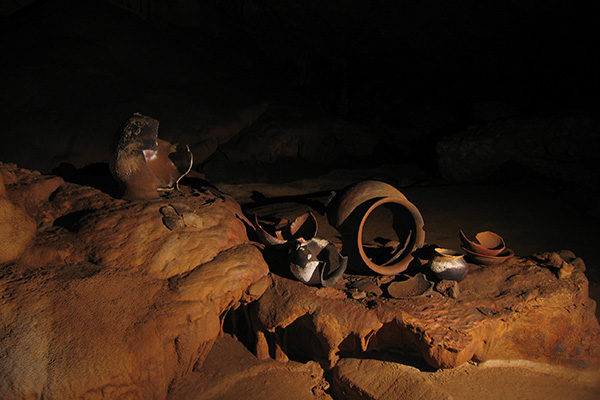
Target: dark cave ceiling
{"x":482,"y":45}
{"x":74,"y":70}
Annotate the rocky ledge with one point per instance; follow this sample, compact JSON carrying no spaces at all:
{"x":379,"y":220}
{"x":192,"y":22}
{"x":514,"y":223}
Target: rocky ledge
{"x":104,"y":298}
{"x":524,"y":308}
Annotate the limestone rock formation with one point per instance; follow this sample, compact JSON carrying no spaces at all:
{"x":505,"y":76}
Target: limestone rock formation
{"x":17,"y":228}
{"x":520,"y":309}
{"x":107,"y":301}
{"x":375,"y":379}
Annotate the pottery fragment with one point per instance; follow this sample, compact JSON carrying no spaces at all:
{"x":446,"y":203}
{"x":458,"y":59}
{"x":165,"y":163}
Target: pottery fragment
{"x":488,"y":243}
{"x":417,"y":285}
{"x":304,"y":227}
{"x":489,"y":249}
{"x":317,"y":261}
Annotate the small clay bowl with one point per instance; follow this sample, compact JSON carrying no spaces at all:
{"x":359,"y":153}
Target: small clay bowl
{"x":490,"y":243}
{"x":488,"y":260}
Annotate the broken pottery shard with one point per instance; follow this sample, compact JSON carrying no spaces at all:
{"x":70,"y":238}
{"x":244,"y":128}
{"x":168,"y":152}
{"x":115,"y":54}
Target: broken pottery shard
{"x":334,"y":267}
{"x":317,"y":261}
{"x":304,"y":227}
{"x":488,"y":243}
{"x":304,"y":263}
{"x":412,"y":287}
{"x":488,"y":260}
{"x":142,"y":163}
{"x":181,"y":156}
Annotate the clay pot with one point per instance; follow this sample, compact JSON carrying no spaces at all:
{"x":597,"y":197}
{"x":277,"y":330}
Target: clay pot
{"x":142,"y":163}
{"x":449,"y":265}
{"x":350,"y":212}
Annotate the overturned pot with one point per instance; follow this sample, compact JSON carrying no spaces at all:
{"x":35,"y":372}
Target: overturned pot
{"x":380,"y":228}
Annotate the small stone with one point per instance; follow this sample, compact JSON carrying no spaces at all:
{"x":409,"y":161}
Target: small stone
{"x":567,"y":255}
{"x":565,"y":270}
{"x":385,"y":279}
{"x":173,"y":223}
{"x":181,"y":208}
{"x":358,"y":294}
{"x":168,"y":211}
{"x":258,"y":288}
{"x":578,"y":264}
{"x":367,"y":285}
{"x":448,"y":288}
{"x":555,"y":260}
{"x":192,"y":220}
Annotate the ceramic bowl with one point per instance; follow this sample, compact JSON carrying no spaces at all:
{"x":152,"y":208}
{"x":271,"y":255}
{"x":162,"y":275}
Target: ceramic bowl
{"x":486,"y":259}
{"x":488,"y":243}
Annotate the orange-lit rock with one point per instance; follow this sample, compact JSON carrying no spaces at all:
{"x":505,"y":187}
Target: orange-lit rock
{"x":107,"y":302}
{"x":516,"y":310}
{"x":17,"y":228}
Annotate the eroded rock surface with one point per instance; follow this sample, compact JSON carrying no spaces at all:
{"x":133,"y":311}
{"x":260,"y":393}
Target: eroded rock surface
{"x":517,"y":310}
{"x":17,"y":228}
{"x":107,"y":301}
{"x":375,"y":379}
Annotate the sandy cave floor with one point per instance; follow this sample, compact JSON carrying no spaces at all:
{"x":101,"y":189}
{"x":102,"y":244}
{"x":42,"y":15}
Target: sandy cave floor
{"x":532,"y":216}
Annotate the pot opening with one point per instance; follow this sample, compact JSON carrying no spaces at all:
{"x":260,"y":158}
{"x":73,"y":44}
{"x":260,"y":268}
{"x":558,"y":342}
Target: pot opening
{"x":387,"y":234}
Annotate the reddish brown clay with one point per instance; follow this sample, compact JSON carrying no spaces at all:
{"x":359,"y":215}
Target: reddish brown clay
{"x":488,"y":243}
{"x":350,"y":209}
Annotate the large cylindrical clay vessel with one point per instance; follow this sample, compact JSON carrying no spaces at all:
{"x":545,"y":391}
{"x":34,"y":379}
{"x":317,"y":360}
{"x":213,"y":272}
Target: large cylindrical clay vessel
{"x":380,"y":228}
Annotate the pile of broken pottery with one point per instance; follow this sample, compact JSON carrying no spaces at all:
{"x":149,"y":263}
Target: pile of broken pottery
{"x":432,"y":303}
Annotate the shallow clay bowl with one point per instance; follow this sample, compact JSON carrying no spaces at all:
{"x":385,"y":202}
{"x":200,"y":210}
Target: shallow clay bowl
{"x":490,"y":243}
{"x":488,"y":260}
